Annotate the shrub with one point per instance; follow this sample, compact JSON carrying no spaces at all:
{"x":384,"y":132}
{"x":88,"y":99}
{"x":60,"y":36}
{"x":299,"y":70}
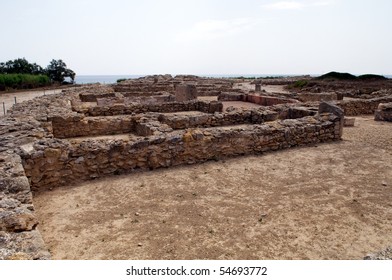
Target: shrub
{"x":371,"y":77}
{"x":23,"y":81}
{"x":121,"y":80}
{"x":300,"y":84}
{"x":337,"y":76}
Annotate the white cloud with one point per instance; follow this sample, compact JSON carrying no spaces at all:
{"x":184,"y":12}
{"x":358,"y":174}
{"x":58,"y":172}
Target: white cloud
{"x":285,"y":5}
{"x":209,"y":29}
{"x":294,"y":5}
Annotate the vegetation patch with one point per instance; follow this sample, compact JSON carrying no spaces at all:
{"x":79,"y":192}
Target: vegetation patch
{"x":298,"y":84}
{"x":350,"y":77}
{"x":23,"y":81}
{"x":21,"y":74}
{"x":337,"y":76}
{"x":121,"y":80}
{"x":371,"y":77}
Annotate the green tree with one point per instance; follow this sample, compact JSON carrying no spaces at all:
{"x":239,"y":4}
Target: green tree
{"x":18,"y":66}
{"x":57,"y":71}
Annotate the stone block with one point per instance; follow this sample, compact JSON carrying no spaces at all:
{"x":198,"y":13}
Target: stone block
{"x":384,"y":112}
{"x":349,"y":121}
{"x":185,"y":93}
{"x":313,"y":97}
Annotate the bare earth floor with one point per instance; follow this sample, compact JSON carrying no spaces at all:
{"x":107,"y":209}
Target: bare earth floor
{"x":330,"y":201}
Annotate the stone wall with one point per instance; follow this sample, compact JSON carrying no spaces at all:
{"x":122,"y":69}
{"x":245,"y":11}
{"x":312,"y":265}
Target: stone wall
{"x":93,"y":96}
{"x":185,"y":93}
{"x":77,"y":126}
{"x":19,"y":238}
{"x":235,"y":117}
{"x":255,"y":98}
{"x":356,"y":107}
{"x":312,"y":97}
{"x":32,"y":157}
{"x":57,"y":162}
{"x":384,"y":112}
{"x":137,"y":108}
{"x":267,"y":100}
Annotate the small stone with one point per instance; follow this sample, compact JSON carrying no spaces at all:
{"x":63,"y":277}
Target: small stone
{"x":384,"y":183}
{"x":137,"y":214}
{"x":139,"y":244}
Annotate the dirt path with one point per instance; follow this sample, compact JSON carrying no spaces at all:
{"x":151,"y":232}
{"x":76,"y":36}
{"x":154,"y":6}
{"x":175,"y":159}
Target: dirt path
{"x":330,"y":201}
{"x":9,"y":98}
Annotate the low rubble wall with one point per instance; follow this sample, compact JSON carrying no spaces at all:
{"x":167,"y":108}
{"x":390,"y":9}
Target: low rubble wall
{"x":181,"y":121}
{"x":31,"y":157}
{"x":362,"y":106}
{"x":254,"y":98}
{"x":54,"y":162}
{"x":384,"y":112}
{"x":137,"y":108}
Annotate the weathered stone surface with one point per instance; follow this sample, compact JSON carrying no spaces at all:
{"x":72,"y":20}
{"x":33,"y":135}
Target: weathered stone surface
{"x":17,"y":220}
{"x":362,"y":106}
{"x":330,"y":108}
{"x":326,"y":107}
{"x":27,"y":245}
{"x":185,"y":93}
{"x":349,"y":122}
{"x":384,"y":112}
{"x":33,"y":156}
{"x":385,"y":254}
{"x":312,"y":97}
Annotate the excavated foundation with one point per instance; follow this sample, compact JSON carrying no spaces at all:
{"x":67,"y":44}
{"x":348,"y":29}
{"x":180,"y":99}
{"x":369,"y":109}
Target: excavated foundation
{"x":89,"y":133}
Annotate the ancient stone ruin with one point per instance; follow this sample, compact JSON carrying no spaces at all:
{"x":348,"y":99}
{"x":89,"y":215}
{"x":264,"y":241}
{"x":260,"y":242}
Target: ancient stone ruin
{"x":159,"y":121}
{"x":384,"y":112}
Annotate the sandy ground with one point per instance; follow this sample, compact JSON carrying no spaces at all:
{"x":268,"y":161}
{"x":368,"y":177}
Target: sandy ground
{"x":9,"y":98}
{"x":327,"y":201}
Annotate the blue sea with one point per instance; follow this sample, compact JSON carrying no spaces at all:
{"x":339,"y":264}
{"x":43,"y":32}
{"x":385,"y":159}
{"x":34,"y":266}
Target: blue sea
{"x":111,"y":79}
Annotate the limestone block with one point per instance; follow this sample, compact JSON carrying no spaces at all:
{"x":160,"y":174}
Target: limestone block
{"x":185,"y":93}
{"x":27,"y":245}
{"x":312,"y":97}
{"x":349,"y":121}
{"x":17,"y":220}
{"x":384,"y":112}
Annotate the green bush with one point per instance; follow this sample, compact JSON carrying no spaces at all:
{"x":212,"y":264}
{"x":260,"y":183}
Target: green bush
{"x":23,"y":81}
{"x":300,"y":84}
{"x":121,"y":80}
{"x":374,"y":77}
{"x":337,"y":76}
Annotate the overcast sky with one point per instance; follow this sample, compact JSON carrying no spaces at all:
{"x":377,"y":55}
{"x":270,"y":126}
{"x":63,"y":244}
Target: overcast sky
{"x":201,"y":36}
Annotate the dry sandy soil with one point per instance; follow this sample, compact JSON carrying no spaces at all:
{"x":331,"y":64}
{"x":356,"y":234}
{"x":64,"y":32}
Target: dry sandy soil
{"x":329,"y":201}
{"x":9,"y":98}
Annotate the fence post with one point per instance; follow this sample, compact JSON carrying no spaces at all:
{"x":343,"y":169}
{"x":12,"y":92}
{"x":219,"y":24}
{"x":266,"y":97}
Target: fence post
{"x":15,"y":99}
{"x":4,"y":108}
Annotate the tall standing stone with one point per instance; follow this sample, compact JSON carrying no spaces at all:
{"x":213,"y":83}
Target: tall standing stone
{"x":257,"y":85}
{"x":186,"y":92}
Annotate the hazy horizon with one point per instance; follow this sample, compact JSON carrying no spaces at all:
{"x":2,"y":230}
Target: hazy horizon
{"x":205,"y":36}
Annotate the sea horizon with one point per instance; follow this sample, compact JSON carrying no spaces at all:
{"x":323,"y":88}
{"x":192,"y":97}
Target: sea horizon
{"x":110,"y":79}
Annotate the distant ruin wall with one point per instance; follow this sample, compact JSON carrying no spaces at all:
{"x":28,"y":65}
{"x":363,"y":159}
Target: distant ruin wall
{"x":254,"y":98}
{"x":77,"y":126}
{"x":362,"y":106}
{"x":313,"y":97}
{"x":180,"y":121}
{"x":54,"y":162}
{"x":135,"y":108}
